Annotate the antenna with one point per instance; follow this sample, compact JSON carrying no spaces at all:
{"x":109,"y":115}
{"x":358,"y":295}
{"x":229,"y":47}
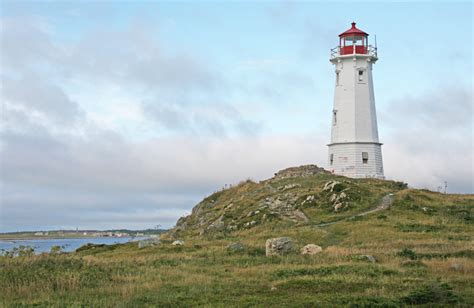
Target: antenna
{"x":375,"y":41}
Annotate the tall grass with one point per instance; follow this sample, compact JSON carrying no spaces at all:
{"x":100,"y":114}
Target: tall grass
{"x":416,"y":263}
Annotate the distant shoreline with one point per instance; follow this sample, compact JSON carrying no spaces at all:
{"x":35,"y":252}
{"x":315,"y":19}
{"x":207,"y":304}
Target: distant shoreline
{"x":29,"y":238}
{"x":80,"y":234}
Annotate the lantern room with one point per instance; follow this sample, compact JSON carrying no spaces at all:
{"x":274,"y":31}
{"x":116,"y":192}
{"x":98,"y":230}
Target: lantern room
{"x":353,"y":41}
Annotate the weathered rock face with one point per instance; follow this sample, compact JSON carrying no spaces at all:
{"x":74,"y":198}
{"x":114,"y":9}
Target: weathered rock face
{"x":338,"y":197}
{"x":278,"y":246}
{"x":311,"y":249}
{"x":218,"y":224}
{"x":149,"y":242}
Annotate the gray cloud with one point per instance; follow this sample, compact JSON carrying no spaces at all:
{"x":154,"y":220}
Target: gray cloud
{"x":135,"y":57}
{"x":59,"y":169}
{"x":40,"y":96}
{"x":203,"y":118}
{"x":68,"y":181}
{"x":24,"y":41}
{"x":431,"y":140}
{"x":448,"y":109}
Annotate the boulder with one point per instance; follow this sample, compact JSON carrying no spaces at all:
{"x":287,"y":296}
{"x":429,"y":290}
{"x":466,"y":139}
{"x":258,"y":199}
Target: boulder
{"x":178,"y":243}
{"x":333,"y":186}
{"x":250,"y":224}
{"x":371,"y":258}
{"x":217,"y":225}
{"x":278,"y":246}
{"x":235,"y":247}
{"x":149,"y":242}
{"x":311,"y":249}
{"x":338,"y":206}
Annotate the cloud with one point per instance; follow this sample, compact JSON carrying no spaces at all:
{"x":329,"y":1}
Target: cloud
{"x":24,"y":41}
{"x":431,"y":140}
{"x":136,"y":57}
{"x":81,"y":180}
{"x":215,"y":119}
{"x":61,"y":166}
{"x":448,"y":109}
{"x":38,"y":96}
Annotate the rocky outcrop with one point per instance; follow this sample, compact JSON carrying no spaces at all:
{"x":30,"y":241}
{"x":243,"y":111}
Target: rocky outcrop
{"x":338,"y":198}
{"x":278,"y":246}
{"x":301,"y":171}
{"x":291,"y":196}
{"x":217,"y":225}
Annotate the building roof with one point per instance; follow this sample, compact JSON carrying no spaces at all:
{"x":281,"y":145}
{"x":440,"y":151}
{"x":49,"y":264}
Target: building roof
{"x":353,"y":31}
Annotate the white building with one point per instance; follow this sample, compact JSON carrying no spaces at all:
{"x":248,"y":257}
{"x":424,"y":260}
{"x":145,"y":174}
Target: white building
{"x":355,"y":150}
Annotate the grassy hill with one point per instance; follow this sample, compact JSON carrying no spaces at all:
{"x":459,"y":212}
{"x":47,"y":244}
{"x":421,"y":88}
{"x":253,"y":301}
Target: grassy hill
{"x":422,"y":243}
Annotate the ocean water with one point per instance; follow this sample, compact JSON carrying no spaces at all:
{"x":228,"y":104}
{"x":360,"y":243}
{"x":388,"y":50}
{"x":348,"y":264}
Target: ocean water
{"x":68,"y":244}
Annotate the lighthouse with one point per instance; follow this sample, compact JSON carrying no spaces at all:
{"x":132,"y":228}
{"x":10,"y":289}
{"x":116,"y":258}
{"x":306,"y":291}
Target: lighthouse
{"x":355,"y":150}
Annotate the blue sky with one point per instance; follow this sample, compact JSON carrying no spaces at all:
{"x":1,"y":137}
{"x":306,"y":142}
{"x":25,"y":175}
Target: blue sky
{"x":126,"y":114}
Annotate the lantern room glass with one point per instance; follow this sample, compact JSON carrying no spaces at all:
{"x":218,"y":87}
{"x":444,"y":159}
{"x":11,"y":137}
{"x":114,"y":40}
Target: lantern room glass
{"x":354,"y":44}
{"x":354,"y":40}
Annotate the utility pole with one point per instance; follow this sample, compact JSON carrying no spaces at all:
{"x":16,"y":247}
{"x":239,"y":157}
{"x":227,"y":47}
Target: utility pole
{"x":445,"y":186}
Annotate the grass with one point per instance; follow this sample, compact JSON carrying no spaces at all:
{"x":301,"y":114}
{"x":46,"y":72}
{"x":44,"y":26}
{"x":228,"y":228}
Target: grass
{"x":422,"y":244}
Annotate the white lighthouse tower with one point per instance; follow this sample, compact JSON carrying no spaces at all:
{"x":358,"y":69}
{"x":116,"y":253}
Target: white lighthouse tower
{"x":355,"y":150}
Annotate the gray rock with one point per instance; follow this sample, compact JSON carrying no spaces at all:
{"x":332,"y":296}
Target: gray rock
{"x":235,"y":247}
{"x":178,"y":243}
{"x":149,"y":242}
{"x":231,"y":227}
{"x":338,"y":206}
{"x":278,"y":246}
{"x":329,"y":186}
{"x":250,"y":224}
{"x":370,"y":258}
{"x":311,"y":249}
{"x":217,"y":225}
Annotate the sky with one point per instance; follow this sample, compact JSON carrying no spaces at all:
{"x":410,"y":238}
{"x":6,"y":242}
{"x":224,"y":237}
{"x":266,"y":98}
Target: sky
{"x":126,"y":114}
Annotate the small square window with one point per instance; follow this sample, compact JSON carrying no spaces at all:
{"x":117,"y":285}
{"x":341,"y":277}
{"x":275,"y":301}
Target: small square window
{"x":361,"y":75}
{"x":365,"y":157}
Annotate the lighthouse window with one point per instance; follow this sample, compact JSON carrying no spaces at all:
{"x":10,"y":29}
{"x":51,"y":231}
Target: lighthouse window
{"x":334,"y":117}
{"x":331,"y":158}
{"x":365,"y":157}
{"x":337,"y":78}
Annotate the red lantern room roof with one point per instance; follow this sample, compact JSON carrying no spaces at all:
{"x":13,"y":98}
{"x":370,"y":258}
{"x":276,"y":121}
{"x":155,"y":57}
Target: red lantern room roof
{"x":353,"y":31}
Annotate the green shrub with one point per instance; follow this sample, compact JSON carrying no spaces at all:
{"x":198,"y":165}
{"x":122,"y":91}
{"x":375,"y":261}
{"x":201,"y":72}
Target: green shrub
{"x":399,"y":185}
{"x":419,"y":228}
{"x":20,"y":251}
{"x":363,"y":270}
{"x":407,"y":253}
{"x":436,"y":293}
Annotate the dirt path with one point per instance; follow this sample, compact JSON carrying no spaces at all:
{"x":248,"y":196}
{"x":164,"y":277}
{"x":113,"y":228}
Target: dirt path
{"x":384,"y":204}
